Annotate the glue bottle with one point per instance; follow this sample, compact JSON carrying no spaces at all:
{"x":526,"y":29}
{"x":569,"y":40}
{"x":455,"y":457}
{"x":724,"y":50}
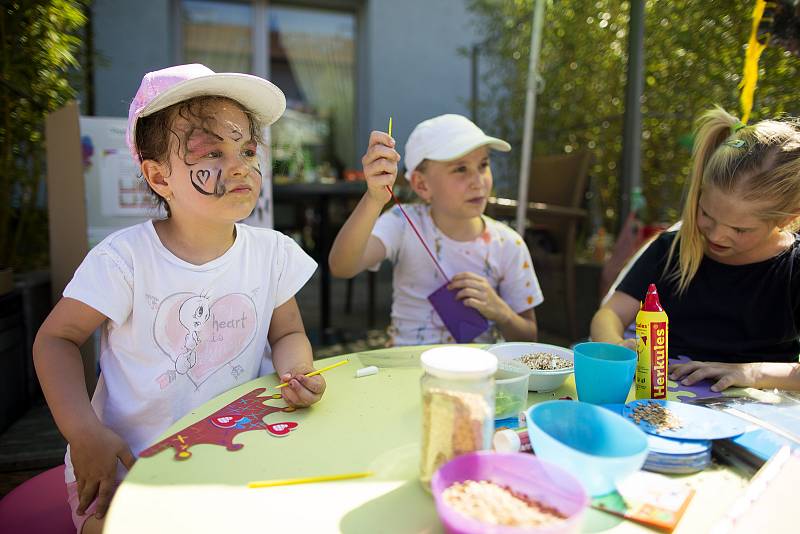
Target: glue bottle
{"x":652,"y":331}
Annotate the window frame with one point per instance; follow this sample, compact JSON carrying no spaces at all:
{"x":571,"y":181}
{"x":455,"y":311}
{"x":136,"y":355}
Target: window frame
{"x":261,"y":52}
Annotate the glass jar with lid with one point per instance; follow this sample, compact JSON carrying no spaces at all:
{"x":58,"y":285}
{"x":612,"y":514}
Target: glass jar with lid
{"x":457,"y":405}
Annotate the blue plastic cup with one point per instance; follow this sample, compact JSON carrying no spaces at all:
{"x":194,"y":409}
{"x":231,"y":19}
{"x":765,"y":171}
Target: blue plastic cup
{"x":597,"y":446}
{"x":603,"y":372}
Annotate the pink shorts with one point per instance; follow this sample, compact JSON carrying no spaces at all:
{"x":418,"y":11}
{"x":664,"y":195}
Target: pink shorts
{"x":74,"y":500}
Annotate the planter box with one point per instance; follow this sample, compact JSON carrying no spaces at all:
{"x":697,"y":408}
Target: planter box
{"x":6,"y":280}
{"x":36,"y":304}
{"x":14,"y":398}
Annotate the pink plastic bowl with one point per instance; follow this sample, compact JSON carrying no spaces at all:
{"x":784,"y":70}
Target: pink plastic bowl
{"x":523,"y":473}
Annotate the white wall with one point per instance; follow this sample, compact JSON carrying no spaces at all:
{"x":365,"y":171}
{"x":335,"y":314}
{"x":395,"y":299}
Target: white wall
{"x":414,"y":69}
{"x":131,"y":38}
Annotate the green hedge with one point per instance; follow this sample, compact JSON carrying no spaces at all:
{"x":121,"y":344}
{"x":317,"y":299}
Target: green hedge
{"x":41,"y":39}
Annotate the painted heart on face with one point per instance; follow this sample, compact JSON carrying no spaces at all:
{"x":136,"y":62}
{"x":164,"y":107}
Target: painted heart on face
{"x":202,"y":176}
{"x":281,"y":429}
{"x":200,"y":335}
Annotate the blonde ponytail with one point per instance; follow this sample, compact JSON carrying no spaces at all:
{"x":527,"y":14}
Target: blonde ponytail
{"x":759,"y":163}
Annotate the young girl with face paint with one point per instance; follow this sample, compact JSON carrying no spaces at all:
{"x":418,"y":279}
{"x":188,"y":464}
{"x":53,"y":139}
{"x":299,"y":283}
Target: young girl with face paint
{"x":189,"y":306}
{"x":729,"y":278}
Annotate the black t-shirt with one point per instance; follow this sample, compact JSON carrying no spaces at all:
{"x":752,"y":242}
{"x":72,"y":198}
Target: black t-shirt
{"x":729,"y":313}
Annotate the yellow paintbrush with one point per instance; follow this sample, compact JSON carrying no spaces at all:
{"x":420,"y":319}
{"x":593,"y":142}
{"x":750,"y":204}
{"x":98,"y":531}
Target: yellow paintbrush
{"x":306,"y":480}
{"x":315,"y":373}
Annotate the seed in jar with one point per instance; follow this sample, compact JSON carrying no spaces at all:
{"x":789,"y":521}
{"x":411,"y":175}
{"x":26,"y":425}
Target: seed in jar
{"x":545,"y":361}
{"x":657,"y":415}
{"x":494,"y":504}
{"x":452,"y":424}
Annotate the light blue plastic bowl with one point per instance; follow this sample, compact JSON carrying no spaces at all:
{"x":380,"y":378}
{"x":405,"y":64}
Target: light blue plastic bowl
{"x":596,"y":445}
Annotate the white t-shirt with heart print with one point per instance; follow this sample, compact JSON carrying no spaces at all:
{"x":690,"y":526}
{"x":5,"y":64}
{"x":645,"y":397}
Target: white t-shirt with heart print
{"x":179,"y":334}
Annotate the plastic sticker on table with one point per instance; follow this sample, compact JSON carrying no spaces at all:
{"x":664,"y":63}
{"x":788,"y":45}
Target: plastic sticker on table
{"x":699,"y":390}
{"x":692,"y":422}
{"x":220,"y":428}
{"x":676,"y":390}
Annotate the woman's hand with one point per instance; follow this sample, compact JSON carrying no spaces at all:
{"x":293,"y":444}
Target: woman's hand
{"x":302,"y":391}
{"x":94,"y":459}
{"x":725,"y":374}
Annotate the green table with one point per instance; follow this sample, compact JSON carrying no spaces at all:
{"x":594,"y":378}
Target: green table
{"x":362,"y":424}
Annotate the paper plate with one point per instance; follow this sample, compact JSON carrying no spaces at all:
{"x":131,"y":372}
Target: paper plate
{"x":697,"y":422}
{"x":669,"y":446}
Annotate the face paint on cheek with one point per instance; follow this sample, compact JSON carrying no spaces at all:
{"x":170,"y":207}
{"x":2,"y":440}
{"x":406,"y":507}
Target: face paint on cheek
{"x":236,"y":131}
{"x":200,"y":178}
{"x":219,"y":187}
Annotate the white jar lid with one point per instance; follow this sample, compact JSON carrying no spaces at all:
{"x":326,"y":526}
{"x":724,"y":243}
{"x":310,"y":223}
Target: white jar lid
{"x":459,"y":363}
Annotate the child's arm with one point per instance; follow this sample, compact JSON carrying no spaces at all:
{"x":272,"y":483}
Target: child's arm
{"x":94,"y":448}
{"x":476,"y":292}
{"x":292,"y":357}
{"x":610,"y":321}
{"x":355,"y":249}
{"x":762,"y":375}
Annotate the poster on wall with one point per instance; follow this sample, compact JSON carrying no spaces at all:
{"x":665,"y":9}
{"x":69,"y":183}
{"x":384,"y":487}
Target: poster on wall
{"x":116,"y":194}
{"x":110,"y":172}
{"x":123,"y":192}
{"x":262,"y":214}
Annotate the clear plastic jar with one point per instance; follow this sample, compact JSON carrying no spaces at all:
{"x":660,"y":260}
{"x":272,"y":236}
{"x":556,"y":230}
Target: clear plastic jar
{"x":457,"y":405}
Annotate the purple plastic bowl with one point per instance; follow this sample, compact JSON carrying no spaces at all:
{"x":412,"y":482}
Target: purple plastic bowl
{"x":523,"y":473}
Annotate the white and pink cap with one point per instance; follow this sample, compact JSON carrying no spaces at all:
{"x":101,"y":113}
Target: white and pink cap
{"x":163,"y":88}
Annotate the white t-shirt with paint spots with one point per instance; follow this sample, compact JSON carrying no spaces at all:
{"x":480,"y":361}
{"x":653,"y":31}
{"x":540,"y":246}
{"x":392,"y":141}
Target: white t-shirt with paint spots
{"x":179,"y":334}
{"x":499,"y":254}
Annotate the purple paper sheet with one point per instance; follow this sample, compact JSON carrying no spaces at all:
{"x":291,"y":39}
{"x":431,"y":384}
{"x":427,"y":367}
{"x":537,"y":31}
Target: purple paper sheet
{"x":464,"y":323}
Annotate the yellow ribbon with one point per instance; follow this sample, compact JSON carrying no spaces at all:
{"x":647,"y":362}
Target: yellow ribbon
{"x":754,"y":49}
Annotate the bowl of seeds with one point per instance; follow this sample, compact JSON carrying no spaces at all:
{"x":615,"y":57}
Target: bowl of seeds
{"x":549,"y":365}
{"x":507,"y":493}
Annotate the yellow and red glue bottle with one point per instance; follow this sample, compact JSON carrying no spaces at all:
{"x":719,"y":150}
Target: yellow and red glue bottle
{"x":652,"y":331}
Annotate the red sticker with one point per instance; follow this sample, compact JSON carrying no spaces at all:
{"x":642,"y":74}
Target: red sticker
{"x":225,"y":421}
{"x":281,"y":429}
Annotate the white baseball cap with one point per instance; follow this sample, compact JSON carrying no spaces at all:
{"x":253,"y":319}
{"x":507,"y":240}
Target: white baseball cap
{"x":445,"y":138}
{"x":163,"y":88}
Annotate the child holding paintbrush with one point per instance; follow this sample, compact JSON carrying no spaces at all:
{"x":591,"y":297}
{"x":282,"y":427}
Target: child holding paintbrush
{"x":447,"y":161}
{"x":188,"y":306}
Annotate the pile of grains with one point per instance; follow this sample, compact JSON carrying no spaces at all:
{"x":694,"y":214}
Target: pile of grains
{"x":453,"y":423}
{"x":498,"y":505}
{"x":544,"y":361}
{"x":657,"y":415}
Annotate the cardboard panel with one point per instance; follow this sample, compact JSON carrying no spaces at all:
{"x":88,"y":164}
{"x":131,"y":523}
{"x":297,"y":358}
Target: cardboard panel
{"x":66,"y":206}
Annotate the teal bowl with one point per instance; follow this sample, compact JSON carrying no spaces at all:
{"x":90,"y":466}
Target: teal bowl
{"x":597,"y":446}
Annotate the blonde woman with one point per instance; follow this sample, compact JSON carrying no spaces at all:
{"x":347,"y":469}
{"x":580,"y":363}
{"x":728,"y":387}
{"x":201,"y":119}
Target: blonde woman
{"x":729,"y":278}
